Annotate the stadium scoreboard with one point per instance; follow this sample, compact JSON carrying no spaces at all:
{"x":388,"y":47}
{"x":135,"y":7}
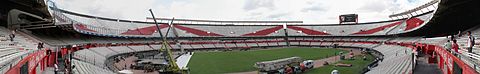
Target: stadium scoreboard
{"x":348,"y":19}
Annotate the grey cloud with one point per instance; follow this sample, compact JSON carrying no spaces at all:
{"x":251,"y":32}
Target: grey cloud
{"x":97,"y":11}
{"x":278,"y":15}
{"x":332,"y":17}
{"x":255,"y":13}
{"x":373,"y":7}
{"x":314,"y":7}
{"x":255,"y":4}
{"x":412,"y":1}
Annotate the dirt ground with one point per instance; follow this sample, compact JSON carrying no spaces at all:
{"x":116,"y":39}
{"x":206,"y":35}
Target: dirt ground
{"x":130,"y":60}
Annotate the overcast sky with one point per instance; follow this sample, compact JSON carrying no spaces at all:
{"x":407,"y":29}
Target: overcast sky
{"x":309,"y":11}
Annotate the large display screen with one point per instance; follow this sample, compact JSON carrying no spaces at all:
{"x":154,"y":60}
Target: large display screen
{"x":348,"y":18}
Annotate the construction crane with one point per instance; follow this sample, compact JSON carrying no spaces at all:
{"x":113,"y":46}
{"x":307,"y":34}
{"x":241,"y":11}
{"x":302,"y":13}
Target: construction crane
{"x":173,"y":67}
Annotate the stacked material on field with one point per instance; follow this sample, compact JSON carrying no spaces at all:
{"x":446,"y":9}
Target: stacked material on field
{"x":276,"y":64}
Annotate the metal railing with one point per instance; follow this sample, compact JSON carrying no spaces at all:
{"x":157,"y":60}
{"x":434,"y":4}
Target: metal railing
{"x":470,"y":59}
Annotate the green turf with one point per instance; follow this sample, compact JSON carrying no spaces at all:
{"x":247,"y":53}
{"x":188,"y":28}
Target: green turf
{"x":242,"y":61}
{"x":358,"y":65}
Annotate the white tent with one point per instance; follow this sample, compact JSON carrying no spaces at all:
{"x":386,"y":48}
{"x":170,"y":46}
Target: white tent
{"x":125,"y":72}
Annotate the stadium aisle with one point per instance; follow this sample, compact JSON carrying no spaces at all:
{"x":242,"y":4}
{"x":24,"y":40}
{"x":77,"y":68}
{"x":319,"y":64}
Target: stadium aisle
{"x":424,"y":68}
{"x":48,"y":70}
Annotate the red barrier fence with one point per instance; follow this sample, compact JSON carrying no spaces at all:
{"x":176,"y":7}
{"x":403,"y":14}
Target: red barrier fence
{"x":446,"y":61}
{"x":29,"y":63}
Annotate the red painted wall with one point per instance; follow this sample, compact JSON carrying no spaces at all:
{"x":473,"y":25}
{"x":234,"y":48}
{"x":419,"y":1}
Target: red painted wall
{"x":449,"y":59}
{"x":33,"y":60}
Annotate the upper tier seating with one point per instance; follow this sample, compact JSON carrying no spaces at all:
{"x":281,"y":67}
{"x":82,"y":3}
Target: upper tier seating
{"x":114,"y":28}
{"x":341,"y":30}
{"x":101,"y":27}
{"x":233,"y":31}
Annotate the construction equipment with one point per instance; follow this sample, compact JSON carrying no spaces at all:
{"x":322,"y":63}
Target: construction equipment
{"x":286,"y":65}
{"x":173,"y":67}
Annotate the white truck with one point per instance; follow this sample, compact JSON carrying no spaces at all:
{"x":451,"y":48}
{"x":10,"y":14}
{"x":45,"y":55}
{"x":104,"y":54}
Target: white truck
{"x":284,"y":66}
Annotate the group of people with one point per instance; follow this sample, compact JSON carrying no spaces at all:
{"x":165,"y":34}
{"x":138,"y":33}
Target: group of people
{"x":40,"y":45}
{"x":452,"y":45}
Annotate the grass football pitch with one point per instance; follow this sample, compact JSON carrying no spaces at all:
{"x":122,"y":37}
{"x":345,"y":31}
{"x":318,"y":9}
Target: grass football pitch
{"x":243,"y":61}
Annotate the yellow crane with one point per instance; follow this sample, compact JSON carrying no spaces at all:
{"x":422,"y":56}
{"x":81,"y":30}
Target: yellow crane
{"x":173,"y":67}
